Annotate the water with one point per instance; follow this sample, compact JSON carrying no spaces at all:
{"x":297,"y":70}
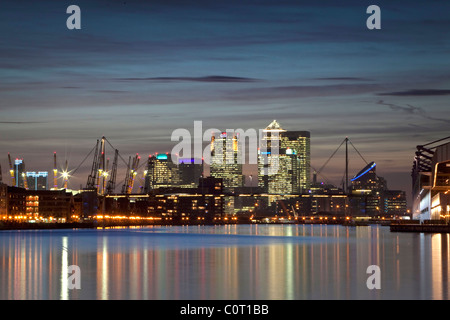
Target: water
{"x":234,"y":262}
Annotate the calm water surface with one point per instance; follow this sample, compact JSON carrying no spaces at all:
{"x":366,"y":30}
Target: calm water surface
{"x":280,"y":262}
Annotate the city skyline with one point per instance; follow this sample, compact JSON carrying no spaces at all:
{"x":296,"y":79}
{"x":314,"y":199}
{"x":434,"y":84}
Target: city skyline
{"x":137,"y":71}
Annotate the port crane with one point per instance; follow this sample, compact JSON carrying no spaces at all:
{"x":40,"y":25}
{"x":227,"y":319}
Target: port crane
{"x":55,"y":173}
{"x":99,"y":170}
{"x":131,"y":174}
{"x":65,"y":175}
{"x":111,"y":186}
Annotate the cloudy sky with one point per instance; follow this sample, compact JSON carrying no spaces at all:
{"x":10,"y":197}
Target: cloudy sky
{"x":137,"y":70}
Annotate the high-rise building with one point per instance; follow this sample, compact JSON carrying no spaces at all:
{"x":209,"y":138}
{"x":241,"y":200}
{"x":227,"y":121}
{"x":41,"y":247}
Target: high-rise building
{"x":367,"y":179}
{"x":162,"y":172}
{"x":284,"y":160}
{"x":37,"y":180}
{"x":190,"y":171}
{"x":370,"y":195}
{"x":19,"y":173}
{"x":226,"y":159}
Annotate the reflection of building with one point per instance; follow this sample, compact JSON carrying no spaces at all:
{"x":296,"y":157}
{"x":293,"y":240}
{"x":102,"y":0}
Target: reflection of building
{"x":37,"y":180}
{"x":431,"y":181}
{"x":284,"y":160}
{"x":226,"y":159}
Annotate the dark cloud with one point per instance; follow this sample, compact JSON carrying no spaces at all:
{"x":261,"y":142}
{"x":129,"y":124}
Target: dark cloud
{"x":412,"y":110}
{"x":343,"y":79}
{"x":417,"y":92}
{"x":285,"y":92}
{"x":193,"y":79}
{"x":21,"y":122}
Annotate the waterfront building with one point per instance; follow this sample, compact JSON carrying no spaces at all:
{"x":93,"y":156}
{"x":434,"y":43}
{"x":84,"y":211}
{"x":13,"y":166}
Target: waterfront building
{"x":3,"y":200}
{"x":33,"y":204}
{"x":395,"y":203}
{"x":226,"y":159}
{"x":370,"y":195}
{"x":205,"y":203}
{"x":284,"y":160}
{"x":16,"y":201}
{"x":431,"y":181}
{"x":49,"y":204}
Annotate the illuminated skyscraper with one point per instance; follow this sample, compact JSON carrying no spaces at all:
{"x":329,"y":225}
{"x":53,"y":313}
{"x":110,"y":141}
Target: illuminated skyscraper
{"x":161,"y":172}
{"x":19,"y":173}
{"x":226,"y":159}
{"x":284,"y":160}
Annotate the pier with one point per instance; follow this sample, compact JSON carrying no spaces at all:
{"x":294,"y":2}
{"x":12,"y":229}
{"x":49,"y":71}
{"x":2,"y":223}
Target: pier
{"x":428,"y":226}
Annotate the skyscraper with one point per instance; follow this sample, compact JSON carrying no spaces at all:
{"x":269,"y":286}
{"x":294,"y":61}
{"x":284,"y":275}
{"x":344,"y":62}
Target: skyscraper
{"x":226,"y":159}
{"x":19,"y":173}
{"x":162,"y":172}
{"x":284,"y":160}
{"x":190,"y":172}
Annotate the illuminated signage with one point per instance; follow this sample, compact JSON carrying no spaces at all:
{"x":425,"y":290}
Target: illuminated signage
{"x":161,"y":156}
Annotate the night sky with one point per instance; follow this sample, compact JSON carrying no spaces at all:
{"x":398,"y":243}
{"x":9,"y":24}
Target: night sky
{"x":137,"y":70}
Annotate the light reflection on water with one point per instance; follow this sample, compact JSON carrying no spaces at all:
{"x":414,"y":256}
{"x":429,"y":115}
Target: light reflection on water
{"x":233,"y":262}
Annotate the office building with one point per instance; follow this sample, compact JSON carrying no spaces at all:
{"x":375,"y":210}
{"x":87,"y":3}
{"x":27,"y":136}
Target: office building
{"x":226,"y":159}
{"x":284,"y":160}
{"x":162,"y":172}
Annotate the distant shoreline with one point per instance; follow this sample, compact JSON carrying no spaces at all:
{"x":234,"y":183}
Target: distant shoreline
{"x":4,"y":226}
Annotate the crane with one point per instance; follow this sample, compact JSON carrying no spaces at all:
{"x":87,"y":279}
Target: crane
{"x":104,"y":177}
{"x":285,"y":209}
{"x":11,"y":171}
{"x":100,"y":165}
{"x":295,"y":212}
{"x":111,"y":186}
{"x":66,"y":175}
{"x":55,"y":173}
{"x":134,"y":172}
{"x":92,"y":182}
{"x":131,"y":174}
